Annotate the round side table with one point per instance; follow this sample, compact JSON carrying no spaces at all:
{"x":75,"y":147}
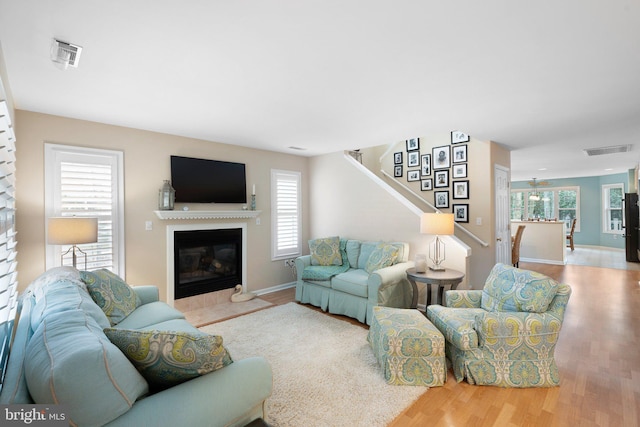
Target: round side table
{"x":434,"y":280}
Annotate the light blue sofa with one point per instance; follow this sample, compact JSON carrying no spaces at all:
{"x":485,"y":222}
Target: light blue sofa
{"x":352,"y":291}
{"x":60,"y":355}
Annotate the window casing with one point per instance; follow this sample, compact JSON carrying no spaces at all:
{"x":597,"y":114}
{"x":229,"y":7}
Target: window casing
{"x":562,"y":203}
{"x":612,"y":214}
{"x":87,"y":182}
{"x":286,"y":214}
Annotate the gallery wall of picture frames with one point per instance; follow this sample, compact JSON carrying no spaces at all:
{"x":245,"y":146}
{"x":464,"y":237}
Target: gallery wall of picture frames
{"x":441,"y":171}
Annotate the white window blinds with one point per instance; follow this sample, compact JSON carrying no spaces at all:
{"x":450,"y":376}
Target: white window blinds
{"x":8,"y":263}
{"x":87,"y":183}
{"x":286,"y":214}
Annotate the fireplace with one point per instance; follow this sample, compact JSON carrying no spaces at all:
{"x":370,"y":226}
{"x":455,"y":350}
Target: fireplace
{"x":207,"y":260}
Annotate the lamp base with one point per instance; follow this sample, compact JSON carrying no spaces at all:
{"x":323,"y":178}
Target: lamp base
{"x":437,"y":268}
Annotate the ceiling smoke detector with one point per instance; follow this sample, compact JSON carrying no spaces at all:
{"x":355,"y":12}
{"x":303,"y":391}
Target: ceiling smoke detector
{"x":65,"y":54}
{"x":607,"y":150}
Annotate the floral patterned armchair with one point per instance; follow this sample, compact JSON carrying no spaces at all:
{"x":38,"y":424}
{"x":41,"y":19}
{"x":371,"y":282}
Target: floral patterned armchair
{"x":504,"y":334}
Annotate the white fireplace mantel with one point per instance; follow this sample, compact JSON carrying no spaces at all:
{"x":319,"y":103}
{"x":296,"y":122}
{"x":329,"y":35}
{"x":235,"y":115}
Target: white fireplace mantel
{"x":180,"y":214}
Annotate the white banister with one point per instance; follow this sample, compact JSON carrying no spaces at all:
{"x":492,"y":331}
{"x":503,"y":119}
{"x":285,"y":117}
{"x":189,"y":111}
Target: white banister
{"x":457,"y":225}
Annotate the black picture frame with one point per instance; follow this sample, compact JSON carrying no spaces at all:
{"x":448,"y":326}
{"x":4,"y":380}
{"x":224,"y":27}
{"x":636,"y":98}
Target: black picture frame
{"x":460,"y":212}
{"x":441,"y":199}
{"x":425,"y":164}
{"x":458,"y":137}
{"x":441,"y":157}
{"x":441,"y":178}
{"x":413,"y":175}
{"x":459,"y":153}
{"x":413,"y":159}
{"x":397,"y":171}
{"x":426,"y":184}
{"x":397,"y":158}
{"x":459,"y":171}
{"x":461,"y":189}
{"x":413,"y":144}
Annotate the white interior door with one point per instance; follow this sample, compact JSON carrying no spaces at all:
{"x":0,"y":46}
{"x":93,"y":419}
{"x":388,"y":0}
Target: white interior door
{"x":503,"y":223}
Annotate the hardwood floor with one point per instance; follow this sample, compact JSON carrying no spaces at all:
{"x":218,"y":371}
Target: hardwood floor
{"x":598,"y":355}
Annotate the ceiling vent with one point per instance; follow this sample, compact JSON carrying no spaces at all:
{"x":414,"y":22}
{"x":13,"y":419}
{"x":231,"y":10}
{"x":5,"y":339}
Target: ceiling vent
{"x":65,"y":54}
{"x":608,"y":150}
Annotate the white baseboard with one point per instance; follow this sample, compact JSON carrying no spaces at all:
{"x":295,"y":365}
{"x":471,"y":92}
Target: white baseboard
{"x":543,"y":261}
{"x":275,"y":288}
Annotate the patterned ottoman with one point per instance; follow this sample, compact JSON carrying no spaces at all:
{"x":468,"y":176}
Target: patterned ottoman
{"x":408,"y":347}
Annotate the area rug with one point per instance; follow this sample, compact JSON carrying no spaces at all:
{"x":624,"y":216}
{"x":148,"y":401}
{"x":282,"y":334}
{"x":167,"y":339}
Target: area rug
{"x":324,"y":371}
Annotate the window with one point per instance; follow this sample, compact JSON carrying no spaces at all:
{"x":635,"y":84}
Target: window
{"x":286,"y":214}
{"x":560,"y":203}
{"x":568,"y":206}
{"x":8,"y":263}
{"x":87,"y":182}
{"x":612,"y":195}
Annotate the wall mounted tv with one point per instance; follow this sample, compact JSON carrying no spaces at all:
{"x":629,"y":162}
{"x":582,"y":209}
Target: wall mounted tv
{"x":208,"y":181}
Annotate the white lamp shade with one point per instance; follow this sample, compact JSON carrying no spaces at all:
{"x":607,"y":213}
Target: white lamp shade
{"x":441,"y":224}
{"x":72,"y":230}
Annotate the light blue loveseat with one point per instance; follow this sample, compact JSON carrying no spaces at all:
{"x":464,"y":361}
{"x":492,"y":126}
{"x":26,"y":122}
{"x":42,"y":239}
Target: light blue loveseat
{"x":61,"y":355}
{"x":349,"y":289}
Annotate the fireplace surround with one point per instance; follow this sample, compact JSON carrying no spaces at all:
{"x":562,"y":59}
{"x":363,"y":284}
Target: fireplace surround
{"x":205,"y":263}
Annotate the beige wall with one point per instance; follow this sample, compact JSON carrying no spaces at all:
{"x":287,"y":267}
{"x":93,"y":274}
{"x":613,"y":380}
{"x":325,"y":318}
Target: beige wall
{"x":348,"y":203}
{"x":146,"y":165}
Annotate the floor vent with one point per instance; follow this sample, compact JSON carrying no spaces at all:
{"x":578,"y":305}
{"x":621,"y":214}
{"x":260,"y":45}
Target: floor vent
{"x":608,"y":150}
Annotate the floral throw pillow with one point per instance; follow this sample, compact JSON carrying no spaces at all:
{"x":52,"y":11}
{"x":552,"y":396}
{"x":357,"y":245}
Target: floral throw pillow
{"x":382,"y":256}
{"x":115,"y":297}
{"x":167,"y":358}
{"x":325,"y":251}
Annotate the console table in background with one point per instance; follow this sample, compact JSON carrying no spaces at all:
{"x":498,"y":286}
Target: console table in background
{"x":435,"y":281}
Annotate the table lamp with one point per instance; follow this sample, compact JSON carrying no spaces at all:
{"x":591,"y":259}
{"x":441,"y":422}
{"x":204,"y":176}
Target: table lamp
{"x":440,"y":224}
{"x":72,"y":230}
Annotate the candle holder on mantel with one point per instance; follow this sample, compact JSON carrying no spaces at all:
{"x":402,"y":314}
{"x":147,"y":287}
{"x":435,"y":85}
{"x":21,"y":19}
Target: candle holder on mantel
{"x":253,"y":202}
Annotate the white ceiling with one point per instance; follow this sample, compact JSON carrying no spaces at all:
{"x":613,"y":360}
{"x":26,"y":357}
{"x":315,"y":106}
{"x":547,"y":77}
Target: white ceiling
{"x":545,"y":78}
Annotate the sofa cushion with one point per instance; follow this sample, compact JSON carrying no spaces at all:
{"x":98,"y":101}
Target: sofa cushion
{"x":63,"y":295}
{"x":352,"y":282}
{"x":115,"y":297}
{"x":69,"y":361}
{"x":325,"y":251}
{"x":149,"y":314}
{"x":366,"y":248}
{"x":383,"y":255}
{"x":167,"y":358}
{"x":511,"y":289}
{"x":353,"y":252}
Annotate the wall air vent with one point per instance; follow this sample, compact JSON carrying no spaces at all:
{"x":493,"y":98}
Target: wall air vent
{"x":607,"y":150}
{"x":65,"y":54}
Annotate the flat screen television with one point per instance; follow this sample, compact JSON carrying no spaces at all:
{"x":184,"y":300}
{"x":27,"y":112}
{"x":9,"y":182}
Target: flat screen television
{"x":208,"y":181}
